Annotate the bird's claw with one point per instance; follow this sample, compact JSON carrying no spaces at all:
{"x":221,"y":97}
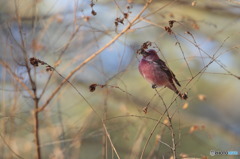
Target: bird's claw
{"x":184,"y":96}
{"x":154,"y":86}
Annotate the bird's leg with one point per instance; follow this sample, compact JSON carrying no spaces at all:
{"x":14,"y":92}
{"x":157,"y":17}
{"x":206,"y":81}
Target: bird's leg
{"x":154,"y":86}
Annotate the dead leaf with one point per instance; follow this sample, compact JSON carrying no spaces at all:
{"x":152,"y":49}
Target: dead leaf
{"x":59,"y":18}
{"x":165,"y":121}
{"x":183,"y":155}
{"x":185,"y":106}
{"x":195,"y":26}
{"x":194,"y":3}
{"x":158,"y":137}
{"x":145,"y":109}
{"x":193,"y":128}
{"x":201,"y":97}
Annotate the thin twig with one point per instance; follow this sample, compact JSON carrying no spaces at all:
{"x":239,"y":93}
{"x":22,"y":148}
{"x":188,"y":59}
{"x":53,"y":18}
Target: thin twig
{"x":36,"y":129}
{"x":18,"y":79}
{"x":109,"y":138}
{"x":104,"y":136}
{"x":66,"y":46}
{"x":137,"y":116}
{"x":184,"y":57}
{"x":173,"y":148}
{"x":195,"y":42}
{"x":164,"y":143}
{"x":212,"y":57}
{"x":5,"y":142}
{"x":154,"y":128}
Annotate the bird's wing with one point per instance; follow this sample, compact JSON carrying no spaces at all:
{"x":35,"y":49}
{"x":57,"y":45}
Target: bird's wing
{"x":164,"y":67}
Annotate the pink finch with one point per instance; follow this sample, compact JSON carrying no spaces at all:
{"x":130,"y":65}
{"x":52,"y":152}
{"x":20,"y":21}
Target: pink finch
{"x":155,"y":71}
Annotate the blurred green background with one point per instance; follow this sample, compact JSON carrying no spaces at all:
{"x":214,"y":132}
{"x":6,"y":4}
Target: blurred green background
{"x":64,"y":33}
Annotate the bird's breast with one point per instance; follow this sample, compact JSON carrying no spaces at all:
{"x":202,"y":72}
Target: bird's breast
{"x":152,"y":73}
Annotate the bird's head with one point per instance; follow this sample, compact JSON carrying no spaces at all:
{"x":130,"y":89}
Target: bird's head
{"x":149,"y":54}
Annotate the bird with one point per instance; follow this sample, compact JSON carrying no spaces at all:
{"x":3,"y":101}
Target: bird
{"x":156,"y":72}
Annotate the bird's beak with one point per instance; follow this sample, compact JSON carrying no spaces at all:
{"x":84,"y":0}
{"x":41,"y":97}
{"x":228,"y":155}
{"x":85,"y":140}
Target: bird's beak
{"x":143,"y":52}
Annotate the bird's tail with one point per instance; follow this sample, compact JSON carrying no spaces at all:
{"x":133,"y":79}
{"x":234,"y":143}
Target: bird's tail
{"x":182,"y":95}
